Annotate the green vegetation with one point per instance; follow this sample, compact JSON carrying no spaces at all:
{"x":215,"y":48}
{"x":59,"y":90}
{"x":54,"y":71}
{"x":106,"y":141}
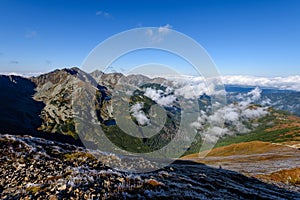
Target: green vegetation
{"x":195,"y":146}
{"x":140,"y":144}
{"x":67,"y":128}
{"x":37,"y":188}
{"x":136,"y":144}
{"x":277,"y":127}
{"x":274,"y":128}
{"x":34,"y":189}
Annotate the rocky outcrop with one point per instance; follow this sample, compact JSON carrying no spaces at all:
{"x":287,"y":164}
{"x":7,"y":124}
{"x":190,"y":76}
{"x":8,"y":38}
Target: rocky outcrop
{"x":33,"y":168}
{"x":55,"y":91}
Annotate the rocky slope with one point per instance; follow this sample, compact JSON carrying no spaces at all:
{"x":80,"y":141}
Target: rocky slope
{"x":33,"y":168}
{"x":55,"y":91}
{"x":44,"y":104}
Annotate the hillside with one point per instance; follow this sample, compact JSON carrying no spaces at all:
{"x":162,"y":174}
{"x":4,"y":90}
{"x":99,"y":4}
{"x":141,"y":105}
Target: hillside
{"x":278,"y":127}
{"x":34,"y":168}
{"x":270,"y":152}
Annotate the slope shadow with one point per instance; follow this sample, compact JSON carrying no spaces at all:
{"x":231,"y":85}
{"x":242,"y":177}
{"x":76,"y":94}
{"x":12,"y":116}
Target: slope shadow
{"x":224,"y":184}
{"x":20,"y":113}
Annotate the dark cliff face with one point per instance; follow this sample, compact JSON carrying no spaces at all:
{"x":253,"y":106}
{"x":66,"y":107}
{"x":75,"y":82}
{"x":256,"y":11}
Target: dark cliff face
{"x":19,"y":112}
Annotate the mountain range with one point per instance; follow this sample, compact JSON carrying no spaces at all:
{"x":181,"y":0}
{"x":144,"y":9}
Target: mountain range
{"x":258,"y":123}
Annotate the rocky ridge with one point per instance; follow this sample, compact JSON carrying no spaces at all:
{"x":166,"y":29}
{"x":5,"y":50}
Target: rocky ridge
{"x":41,"y":169}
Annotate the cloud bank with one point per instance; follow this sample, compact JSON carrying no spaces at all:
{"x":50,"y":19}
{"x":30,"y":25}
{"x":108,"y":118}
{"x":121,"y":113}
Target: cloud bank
{"x":284,"y":83}
{"x":24,"y":74}
{"x":237,"y":117}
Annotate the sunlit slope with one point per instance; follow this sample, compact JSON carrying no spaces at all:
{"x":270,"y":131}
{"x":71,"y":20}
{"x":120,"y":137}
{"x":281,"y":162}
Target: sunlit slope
{"x":278,"y":127}
{"x":243,"y":148}
{"x":271,"y":152}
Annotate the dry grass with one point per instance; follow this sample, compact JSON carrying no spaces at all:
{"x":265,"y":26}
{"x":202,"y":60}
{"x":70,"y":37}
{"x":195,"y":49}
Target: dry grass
{"x":289,"y":176}
{"x":243,"y":148}
{"x":245,"y":152}
{"x":291,"y":123}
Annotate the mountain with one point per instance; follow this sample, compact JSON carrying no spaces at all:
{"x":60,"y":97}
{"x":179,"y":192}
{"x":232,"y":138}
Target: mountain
{"x":44,"y":106}
{"x":71,"y":106}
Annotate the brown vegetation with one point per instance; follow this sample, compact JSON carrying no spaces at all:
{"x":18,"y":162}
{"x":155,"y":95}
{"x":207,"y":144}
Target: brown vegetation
{"x":288,"y":176}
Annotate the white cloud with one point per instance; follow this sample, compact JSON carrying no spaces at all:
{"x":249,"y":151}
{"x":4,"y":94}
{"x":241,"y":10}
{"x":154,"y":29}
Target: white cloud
{"x":166,"y":100}
{"x":235,"y":117}
{"x":191,"y":87}
{"x":285,"y":83}
{"x":231,"y":113}
{"x":254,"y":113}
{"x":190,"y":91}
{"x":157,"y":36}
{"x":165,"y":29}
{"x":104,"y":14}
{"x":138,"y":114}
{"x":25,"y":74}
{"x":255,"y":93}
{"x":213,"y":134}
{"x":153,"y":94}
{"x":266,"y":102}
{"x":160,"y":97}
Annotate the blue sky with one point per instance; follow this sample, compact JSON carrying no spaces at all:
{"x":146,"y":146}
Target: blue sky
{"x":255,"y":37}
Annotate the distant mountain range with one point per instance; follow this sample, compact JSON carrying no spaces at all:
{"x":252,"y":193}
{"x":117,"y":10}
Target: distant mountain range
{"x":288,"y":100}
{"x":42,"y":105}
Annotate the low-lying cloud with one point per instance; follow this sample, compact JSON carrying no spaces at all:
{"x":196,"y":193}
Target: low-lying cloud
{"x":284,"y":83}
{"x":137,"y":112}
{"x":160,"y":97}
{"x":22,"y":74}
{"x":236,"y":116}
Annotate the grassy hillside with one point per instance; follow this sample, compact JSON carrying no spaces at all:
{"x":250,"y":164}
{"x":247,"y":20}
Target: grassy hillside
{"x":277,"y":127}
